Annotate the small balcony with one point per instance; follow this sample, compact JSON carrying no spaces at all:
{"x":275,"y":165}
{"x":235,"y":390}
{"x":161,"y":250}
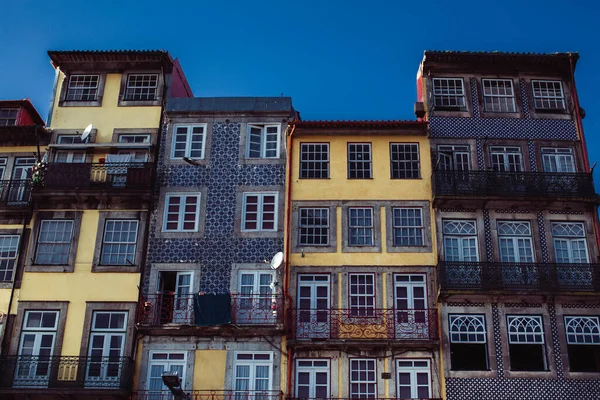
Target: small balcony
{"x":513,"y":277}
{"x":370,"y":398}
{"x":94,"y":376}
{"x":210,"y":395}
{"x":420,"y":325}
{"x":159,"y":310}
{"x":513,"y":184}
{"x":15,"y":193}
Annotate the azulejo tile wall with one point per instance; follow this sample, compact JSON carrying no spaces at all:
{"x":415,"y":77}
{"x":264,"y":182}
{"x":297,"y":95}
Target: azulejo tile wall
{"x":219,"y":249}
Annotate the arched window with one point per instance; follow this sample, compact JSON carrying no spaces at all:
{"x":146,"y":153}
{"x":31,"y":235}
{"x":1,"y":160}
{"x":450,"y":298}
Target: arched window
{"x":583,"y":343}
{"x":468,"y":342}
{"x":526,"y":342}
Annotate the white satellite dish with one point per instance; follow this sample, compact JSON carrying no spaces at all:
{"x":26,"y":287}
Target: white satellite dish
{"x":277,"y":260}
{"x":86,"y":133}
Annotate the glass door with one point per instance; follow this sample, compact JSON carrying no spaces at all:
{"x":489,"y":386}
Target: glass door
{"x":411,"y":307}
{"x":313,"y":318}
{"x":107,"y":343}
{"x":255,"y":298}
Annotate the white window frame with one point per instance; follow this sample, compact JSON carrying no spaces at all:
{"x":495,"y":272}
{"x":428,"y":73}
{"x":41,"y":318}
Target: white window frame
{"x":322,"y":228}
{"x":260,"y":211}
{"x":582,"y":329}
{"x":367,"y":228}
{"x":404,"y":166}
{"x":82,"y":88}
{"x":474,"y":330}
{"x":559,"y":158}
{"x":408,"y":228}
{"x":362,"y":308}
{"x":106,"y":333}
{"x":312,"y":370}
{"x":263,"y":140}
{"x":371,"y":362}
{"x":462,"y":238}
{"x":514,"y":239}
{"x":540,"y":97}
{"x":8,"y":256}
{"x":166,"y":363}
{"x":126,"y":97}
{"x":252,"y":364}
{"x":413,"y":370}
{"x":502,"y":98}
{"x":70,"y":155}
{"x":119,"y":243}
{"x":69,"y":139}
{"x":446,"y":93}
{"x":366,"y":166}
{"x":188,"y":141}
{"x":569,"y":240}
{"x":134,"y":136}
{"x":69,"y":242}
{"x":181,"y":213}
{"x":515,"y":336}
{"x":505,"y":153}
{"x":457,"y":155}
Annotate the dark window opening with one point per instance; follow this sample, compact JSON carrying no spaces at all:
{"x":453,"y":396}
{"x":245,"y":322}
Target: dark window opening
{"x":584,"y":357}
{"x":468,"y":357}
{"x":527,"y":357}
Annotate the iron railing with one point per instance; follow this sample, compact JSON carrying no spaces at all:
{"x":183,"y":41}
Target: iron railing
{"x":15,"y":193}
{"x":364,"y":324}
{"x":30,"y":372}
{"x":506,"y":276}
{"x":365,"y":397}
{"x":98,"y":176}
{"x":163,"y":309}
{"x":210,"y":395}
{"x":526,"y":184}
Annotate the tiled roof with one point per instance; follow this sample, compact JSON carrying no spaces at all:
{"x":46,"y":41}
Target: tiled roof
{"x":230,"y":104}
{"x":473,"y":57}
{"x":76,"y":59}
{"x":33,"y":112}
{"x":385,"y":124}
{"x":500,"y":53}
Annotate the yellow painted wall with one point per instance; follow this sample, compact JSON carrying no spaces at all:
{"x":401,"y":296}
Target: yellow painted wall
{"x":209,"y":370}
{"x":4,"y":300}
{"x":20,"y":150}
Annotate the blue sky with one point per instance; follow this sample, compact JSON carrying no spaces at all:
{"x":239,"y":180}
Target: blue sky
{"x":337,"y":59}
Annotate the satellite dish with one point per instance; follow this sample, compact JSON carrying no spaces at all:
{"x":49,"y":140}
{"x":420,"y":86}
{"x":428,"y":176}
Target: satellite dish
{"x":277,"y":260}
{"x":86,"y":133}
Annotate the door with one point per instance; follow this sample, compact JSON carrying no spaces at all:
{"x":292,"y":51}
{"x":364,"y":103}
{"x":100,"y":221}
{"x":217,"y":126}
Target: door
{"x":312,"y":379}
{"x":161,"y":362}
{"x":20,"y":188}
{"x":255,"y":298}
{"x":313,"y":319}
{"x":414,"y":379}
{"x":107,"y":343}
{"x":410,"y":304}
{"x":183,"y":306}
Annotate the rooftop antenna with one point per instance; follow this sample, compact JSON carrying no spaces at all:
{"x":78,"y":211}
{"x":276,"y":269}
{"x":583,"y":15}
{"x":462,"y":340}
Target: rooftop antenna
{"x":86,"y":133}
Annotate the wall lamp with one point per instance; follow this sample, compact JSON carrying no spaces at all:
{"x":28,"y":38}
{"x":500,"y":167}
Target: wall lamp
{"x":191,"y":161}
{"x":173,"y":382}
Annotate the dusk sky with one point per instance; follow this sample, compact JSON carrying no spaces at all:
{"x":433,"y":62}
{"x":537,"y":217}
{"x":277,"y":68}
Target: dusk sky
{"x":336,"y":59}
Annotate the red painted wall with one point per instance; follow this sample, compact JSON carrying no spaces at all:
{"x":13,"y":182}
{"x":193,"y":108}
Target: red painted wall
{"x":24,"y":118}
{"x":179,"y":84}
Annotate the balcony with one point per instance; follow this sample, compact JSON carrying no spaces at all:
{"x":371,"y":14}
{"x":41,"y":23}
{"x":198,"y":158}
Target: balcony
{"x":370,"y":398}
{"x":210,"y":395}
{"x":68,"y":375}
{"x":511,"y":277}
{"x":364,"y":324}
{"x":15,"y":193}
{"x":158,"y":310}
{"x":512,"y":184}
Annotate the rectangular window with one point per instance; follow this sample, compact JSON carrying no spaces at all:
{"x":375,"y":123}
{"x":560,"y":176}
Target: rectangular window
{"x":189,"y":141}
{"x":498,"y":95}
{"x":161,"y":362}
{"x":119,"y":242}
{"x":558,"y":160}
{"x":362,"y":295}
{"x":414,"y":380}
{"x":262,"y":141}
{"x":515,"y":241}
{"x":69,"y":139}
{"x":312,"y":379}
{"x":182,"y":212}
{"x":314,"y":160}
{"x":65,"y":156}
{"x":460,"y":241}
{"x":548,"y":95}
{"x":135,"y":156}
{"x":468,"y":343}
{"x":583,"y":343}
{"x":506,"y":159}
{"x":454,"y":158}
{"x":360,"y":226}
{"x":526,"y":343}
{"x":106,"y":347}
{"x":448,"y":94}
{"x":36,"y":346}
{"x":141,"y":87}
{"x":134,"y":138}
{"x":54,"y":242}
{"x":252,"y":372}
{"x":363,"y":378}
{"x":314,"y":226}
{"x":82,"y":88}
{"x":8,"y":116}
{"x":408,"y":226}
{"x":570,"y":245}
{"x":404,"y":159}
{"x":359,"y":161}
{"x":259,"y":212}
{"x":9,"y":248}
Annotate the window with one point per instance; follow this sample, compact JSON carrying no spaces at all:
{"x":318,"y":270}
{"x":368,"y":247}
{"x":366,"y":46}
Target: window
{"x":448,"y":94}
{"x":558,"y":160}
{"x":54,"y":242}
{"x":583,"y":343}
{"x":314,"y":160}
{"x":135,"y":156}
{"x":255,"y":301}
{"x":569,"y":242}
{"x":182,"y":212}
{"x":141,"y":87}
{"x":65,"y":156}
{"x":362,"y":295}
{"x":515,"y":241}
{"x":134,"y":138}
{"x":161,"y":362}
{"x":38,"y":336}
{"x":189,"y":141}
{"x":404,"y":159}
{"x":548,"y":95}
{"x":498,"y":95}
{"x":69,"y":139}
{"x":526,"y":343}
{"x":408,"y":226}
{"x":454,"y":158}
{"x":313,"y":226}
{"x":9,"y":249}
{"x":359,"y":161}
{"x":312,"y":379}
{"x":106,"y":347}
{"x":460,"y":241}
{"x":262,"y":141}
{"x":360,"y":226}
{"x":119,"y":242}
{"x":468,"y":343}
{"x":252,"y":371}
{"x":506,"y":159}
{"x":82,"y":88}
{"x":414,"y":380}
{"x":259,"y":212}
{"x":8,"y":116}
{"x":363,"y":378}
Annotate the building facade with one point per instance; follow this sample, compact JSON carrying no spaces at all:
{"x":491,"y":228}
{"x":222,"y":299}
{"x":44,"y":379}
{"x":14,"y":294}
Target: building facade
{"x":71,"y":331}
{"x":361,"y":255}
{"x":211,"y":307}
{"x":517,"y":227}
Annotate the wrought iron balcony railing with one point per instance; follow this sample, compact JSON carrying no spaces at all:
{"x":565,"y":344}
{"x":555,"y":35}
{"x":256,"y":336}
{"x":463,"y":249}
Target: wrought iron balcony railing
{"x":364,"y":397}
{"x":64,"y":176}
{"x":15,"y":193}
{"x":504,"y":184}
{"x":42,"y":372}
{"x":210,"y":395}
{"x":364,"y":324}
{"x":506,"y":276}
{"x":164,"y":309}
